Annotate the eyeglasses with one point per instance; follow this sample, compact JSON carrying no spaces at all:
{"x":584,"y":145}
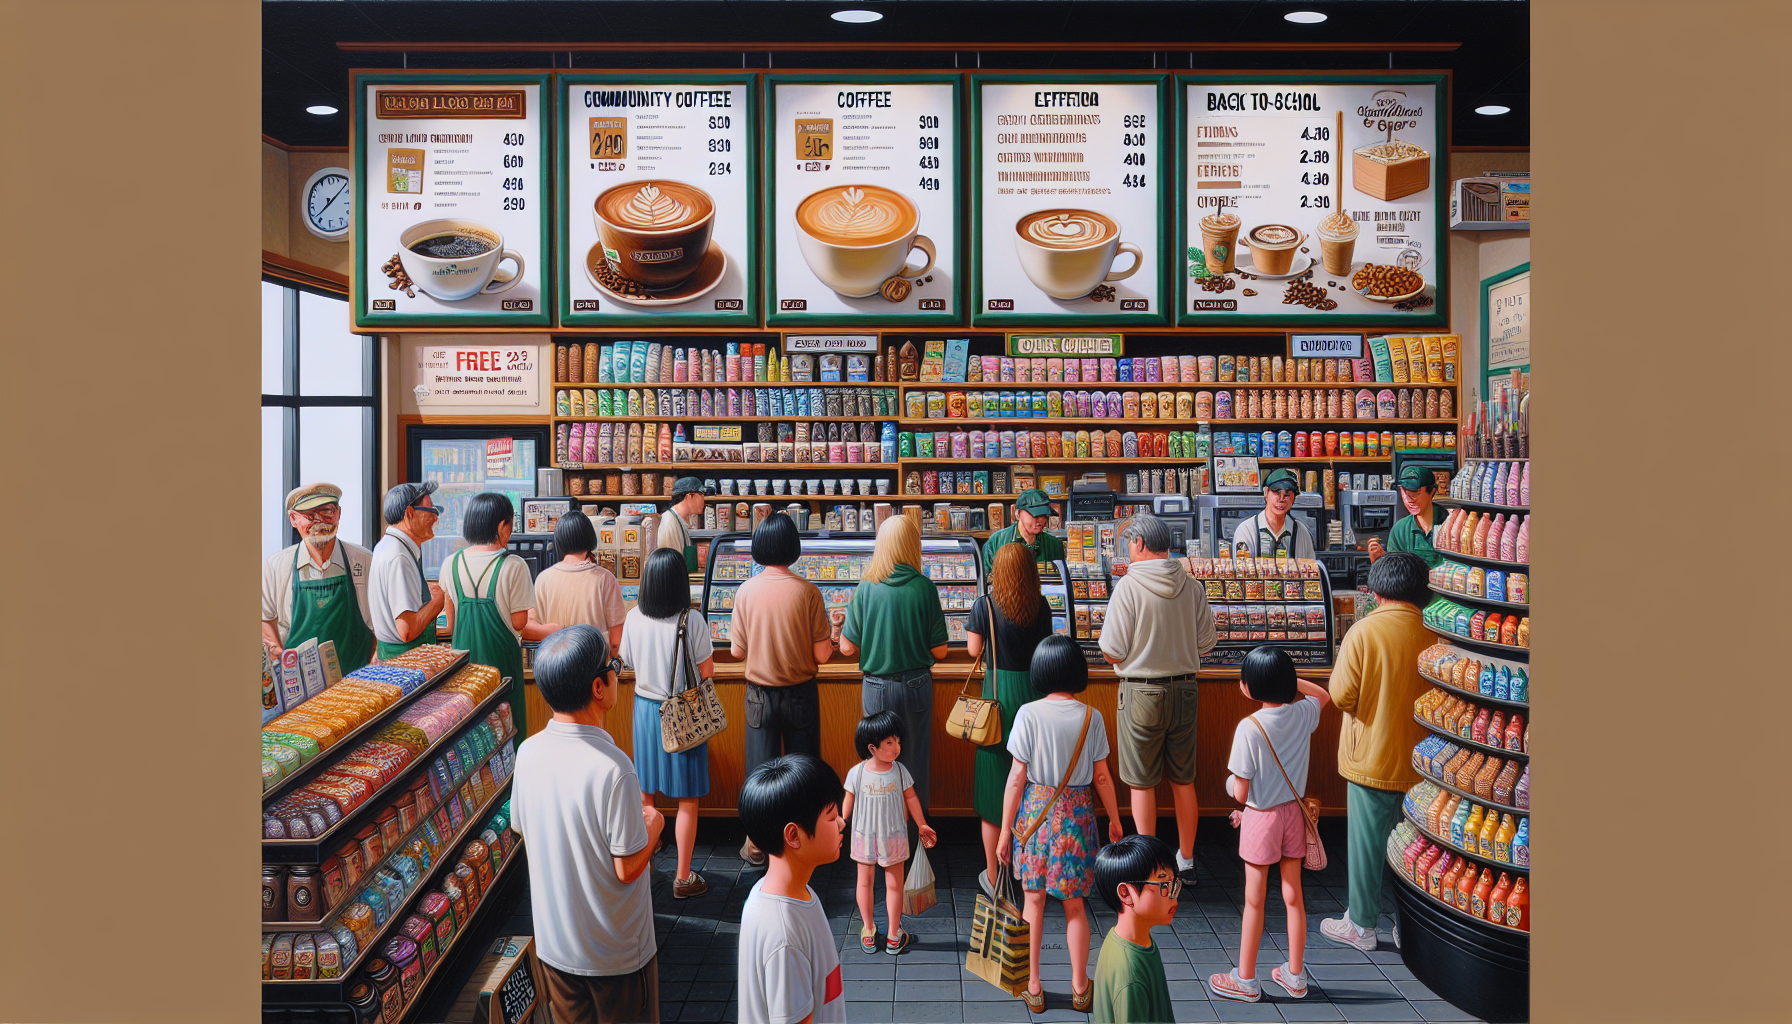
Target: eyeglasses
{"x":616,"y":665}
{"x":330,"y":511}
{"x":1169,"y":888}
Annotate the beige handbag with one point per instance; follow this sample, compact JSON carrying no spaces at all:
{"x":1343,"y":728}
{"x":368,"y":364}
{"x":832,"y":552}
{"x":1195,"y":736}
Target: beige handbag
{"x":689,"y":717}
{"x":978,"y":720}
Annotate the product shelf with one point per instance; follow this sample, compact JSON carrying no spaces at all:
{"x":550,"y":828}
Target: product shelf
{"x":1469,"y":794}
{"x":327,"y":759}
{"x":1474,"y":855}
{"x":1506,"y":606}
{"x":335,"y":990}
{"x":1482,"y":646}
{"x":1489,"y":506}
{"x":473,"y":919}
{"x":887,"y":467}
{"x":316,"y":849}
{"x":1461,"y":741}
{"x":1496,"y":563}
{"x":1474,"y":695}
{"x":1451,"y":908}
{"x":1137,"y":423}
{"x":698,"y":418}
{"x":730,"y":384}
{"x":1161,"y":385}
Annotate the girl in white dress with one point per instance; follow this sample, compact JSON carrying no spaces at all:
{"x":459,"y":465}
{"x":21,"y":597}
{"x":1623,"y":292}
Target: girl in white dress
{"x":880,"y":794}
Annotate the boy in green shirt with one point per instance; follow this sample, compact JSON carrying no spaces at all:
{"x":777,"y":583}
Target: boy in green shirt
{"x":1137,"y":878}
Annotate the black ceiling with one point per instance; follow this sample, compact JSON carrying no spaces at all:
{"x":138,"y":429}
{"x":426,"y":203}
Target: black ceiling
{"x":302,"y":65}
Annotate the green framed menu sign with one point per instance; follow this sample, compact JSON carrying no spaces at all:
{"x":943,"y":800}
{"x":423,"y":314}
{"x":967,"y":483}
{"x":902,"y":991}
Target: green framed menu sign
{"x":861,"y":199}
{"x":1306,"y":199}
{"x":1069,"y":179}
{"x":657,"y":184}
{"x":453,"y":220}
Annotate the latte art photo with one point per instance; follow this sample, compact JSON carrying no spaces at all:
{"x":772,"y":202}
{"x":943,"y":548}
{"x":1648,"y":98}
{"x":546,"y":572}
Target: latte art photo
{"x":856,"y":215}
{"x":1068,"y":230}
{"x":652,"y":208}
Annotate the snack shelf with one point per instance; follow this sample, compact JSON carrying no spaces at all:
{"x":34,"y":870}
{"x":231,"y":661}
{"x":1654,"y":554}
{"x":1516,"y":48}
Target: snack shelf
{"x":1502,"y":605}
{"x":1489,"y":458}
{"x":324,"y":759}
{"x":1463,"y":741}
{"x":1135,"y":423}
{"x":1449,"y":502}
{"x":1155,"y":385}
{"x":741,"y":384}
{"x":886,"y":467}
{"x":335,"y":990}
{"x":315,"y":849}
{"x":1474,"y":855}
{"x":473,"y":920}
{"x":691,"y":418}
{"x":1118,"y":464}
{"x":1497,"y":563}
{"x":1264,"y":461}
{"x":1469,"y":794}
{"x":1482,"y":646}
{"x":1473,"y":694}
{"x":1451,"y":908}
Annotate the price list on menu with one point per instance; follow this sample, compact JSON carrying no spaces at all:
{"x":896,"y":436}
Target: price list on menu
{"x":452,"y":222}
{"x":657,"y":176}
{"x":1310,"y":200}
{"x":863,"y":184}
{"x":1070,"y":182}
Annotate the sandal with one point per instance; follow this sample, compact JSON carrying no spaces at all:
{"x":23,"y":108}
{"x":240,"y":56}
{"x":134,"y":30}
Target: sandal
{"x":1082,"y":1001}
{"x":1036,"y":1003}
{"x":868,"y":941}
{"x":896,"y":944}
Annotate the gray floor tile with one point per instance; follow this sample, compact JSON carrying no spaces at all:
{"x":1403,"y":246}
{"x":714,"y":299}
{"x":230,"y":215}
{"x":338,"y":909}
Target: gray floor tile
{"x":870,"y":1013}
{"x":1437,"y":1009}
{"x":702,"y":1011}
{"x":1359,"y":972}
{"x":868,"y":968}
{"x":711,"y":991}
{"x":1227,"y":1009}
{"x":1188,"y":1011}
{"x":1306,"y":1009}
{"x":926,"y":972}
{"x":1378,"y":1010}
{"x":1415,"y":990}
{"x":915,"y":991}
{"x":981,"y":991}
{"x":949,"y":1011}
{"x":881,"y":990}
{"x":673,"y":991}
{"x":1395,"y":971}
{"x":1354,"y":989}
{"x":1335,"y":955}
{"x":1061,"y":1013}
{"x":1009,"y":1011}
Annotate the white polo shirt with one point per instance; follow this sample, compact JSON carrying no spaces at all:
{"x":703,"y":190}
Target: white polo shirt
{"x":276,"y":579}
{"x":395,"y":583}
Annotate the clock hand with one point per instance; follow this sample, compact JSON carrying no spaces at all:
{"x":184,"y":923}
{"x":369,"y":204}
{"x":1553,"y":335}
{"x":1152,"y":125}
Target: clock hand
{"x":332,"y":199}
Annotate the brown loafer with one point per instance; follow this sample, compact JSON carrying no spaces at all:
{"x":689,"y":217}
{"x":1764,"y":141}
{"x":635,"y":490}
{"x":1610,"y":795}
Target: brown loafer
{"x":1082,"y":1001}
{"x":689,"y":888}
{"x":1036,"y":1003}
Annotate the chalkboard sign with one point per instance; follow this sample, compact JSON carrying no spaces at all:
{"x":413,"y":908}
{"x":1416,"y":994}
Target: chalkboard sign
{"x":505,"y":981}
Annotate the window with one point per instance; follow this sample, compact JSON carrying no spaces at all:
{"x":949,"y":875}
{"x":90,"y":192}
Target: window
{"x":319,"y":416}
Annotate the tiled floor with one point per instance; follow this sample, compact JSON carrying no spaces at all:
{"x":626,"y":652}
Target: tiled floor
{"x":929,"y":983}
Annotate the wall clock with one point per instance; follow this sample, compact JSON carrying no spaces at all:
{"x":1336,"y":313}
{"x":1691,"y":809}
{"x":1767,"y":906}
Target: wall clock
{"x":328,"y":198}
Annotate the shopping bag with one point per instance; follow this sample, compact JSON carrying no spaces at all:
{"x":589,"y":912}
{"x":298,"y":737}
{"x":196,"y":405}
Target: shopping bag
{"x":690,"y":716}
{"x":917,"y":889}
{"x":999,"y":937}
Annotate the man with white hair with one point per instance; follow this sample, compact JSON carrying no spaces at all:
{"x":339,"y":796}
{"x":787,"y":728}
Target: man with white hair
{"x":323,"y":595}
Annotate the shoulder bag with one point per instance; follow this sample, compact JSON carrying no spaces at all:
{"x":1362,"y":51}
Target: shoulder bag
{"x":689,"y":716}
{"x":1309,"y":807}
{"x":978,"y":720}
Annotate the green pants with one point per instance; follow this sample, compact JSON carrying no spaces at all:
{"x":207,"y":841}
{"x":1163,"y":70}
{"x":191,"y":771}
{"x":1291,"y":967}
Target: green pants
{"x":1373,"y":815}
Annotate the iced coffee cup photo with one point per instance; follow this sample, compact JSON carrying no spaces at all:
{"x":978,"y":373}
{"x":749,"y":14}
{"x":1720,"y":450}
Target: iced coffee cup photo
{"x":1337,"y":242}
{"x":1219,"y":241}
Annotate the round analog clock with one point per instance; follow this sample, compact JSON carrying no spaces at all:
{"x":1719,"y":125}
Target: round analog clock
{"x":328,"y":198}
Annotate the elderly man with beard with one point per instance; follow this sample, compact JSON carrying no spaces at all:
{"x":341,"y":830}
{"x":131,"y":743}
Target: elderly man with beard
{"x":317,"y":589}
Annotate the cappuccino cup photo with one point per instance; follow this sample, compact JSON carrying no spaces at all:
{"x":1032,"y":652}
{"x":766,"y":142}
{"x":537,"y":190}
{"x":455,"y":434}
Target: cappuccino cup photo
{"x":452,"y":260}
{"x":855,"y":237}
{"x":654,"y":233}
{"x":1066,"y":253}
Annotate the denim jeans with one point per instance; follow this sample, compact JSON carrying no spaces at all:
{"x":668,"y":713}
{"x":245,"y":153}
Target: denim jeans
{"x":782,"y":720}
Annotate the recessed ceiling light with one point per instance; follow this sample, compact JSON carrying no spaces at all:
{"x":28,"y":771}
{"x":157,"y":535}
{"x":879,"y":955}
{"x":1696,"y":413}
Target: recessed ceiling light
{"x":1493,"y":110}
{"x":1304,"y":17}
{"x":320,"y":109}
{"x":857,"y":17}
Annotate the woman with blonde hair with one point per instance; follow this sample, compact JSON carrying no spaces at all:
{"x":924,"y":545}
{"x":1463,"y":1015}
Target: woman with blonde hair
{"x":1005,"y":626}
{"x":896,"y":627}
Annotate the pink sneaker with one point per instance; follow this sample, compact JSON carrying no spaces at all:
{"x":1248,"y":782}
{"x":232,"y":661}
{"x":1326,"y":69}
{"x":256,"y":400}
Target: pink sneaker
{"x":1344,"y":930}
{"x":1293,"y":984}
{"x":1230,"y":986}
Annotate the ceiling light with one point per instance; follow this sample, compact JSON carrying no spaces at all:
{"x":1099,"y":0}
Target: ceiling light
{"x":320,"y":109}
{"x":1304,"y":17}
{"x":1493,"y":110}
{"x":857,"y":17}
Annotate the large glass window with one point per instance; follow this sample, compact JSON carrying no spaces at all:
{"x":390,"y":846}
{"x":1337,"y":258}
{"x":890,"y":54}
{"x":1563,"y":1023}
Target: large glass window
{"x":319,"y":419}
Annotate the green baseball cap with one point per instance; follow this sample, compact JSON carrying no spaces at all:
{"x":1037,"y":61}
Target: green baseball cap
{"x":686,"y":485}
{"x":1282,"y":479}
{"x":1035,"y":501}
{"x":1415,"y":477}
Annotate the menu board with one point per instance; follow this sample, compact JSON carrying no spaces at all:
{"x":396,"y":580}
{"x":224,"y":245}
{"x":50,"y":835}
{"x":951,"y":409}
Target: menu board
{"x":451,"y":226}
{"x":657,"y":179}
{"x":862,"y":200}
{"x":1318,"y":198}
{"x":1070,"y":182}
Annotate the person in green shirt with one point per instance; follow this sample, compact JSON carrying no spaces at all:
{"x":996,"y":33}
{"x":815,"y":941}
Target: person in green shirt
{"x":1418,"y":485}
{"x":1137,"y":878}
{"x":896,"y":627}
{"x":1032,"y":514}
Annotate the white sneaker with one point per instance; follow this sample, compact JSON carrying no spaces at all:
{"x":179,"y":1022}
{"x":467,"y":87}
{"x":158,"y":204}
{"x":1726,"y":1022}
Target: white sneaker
{"x":1185,"y":868}
{"x":1342,"y":929}
{"x":983,"y":883}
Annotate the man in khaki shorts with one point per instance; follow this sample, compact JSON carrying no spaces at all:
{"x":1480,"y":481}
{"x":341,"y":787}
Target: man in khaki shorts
{"x":1158,"y":626}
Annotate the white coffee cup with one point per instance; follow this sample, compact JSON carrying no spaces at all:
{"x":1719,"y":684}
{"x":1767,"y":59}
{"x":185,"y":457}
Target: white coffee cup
{"x":1071,"y":271}
{"x":859,"y":270}
{"x":452,"y":280}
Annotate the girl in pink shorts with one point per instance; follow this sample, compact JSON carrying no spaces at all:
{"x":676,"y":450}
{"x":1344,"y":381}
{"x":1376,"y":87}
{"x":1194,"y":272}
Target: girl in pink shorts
{"x":1271,"y":828}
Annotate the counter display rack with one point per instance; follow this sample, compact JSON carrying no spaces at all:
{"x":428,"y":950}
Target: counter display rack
{"x":1437,"y":665}
{"x":1483,"y":561}
{"x":515,"y":866}
{"x":1473,"y":744}
{"x":1478,"y":600}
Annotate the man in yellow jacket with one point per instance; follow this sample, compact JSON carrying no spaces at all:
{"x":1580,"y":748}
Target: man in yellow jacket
{"x":1375,"y":684}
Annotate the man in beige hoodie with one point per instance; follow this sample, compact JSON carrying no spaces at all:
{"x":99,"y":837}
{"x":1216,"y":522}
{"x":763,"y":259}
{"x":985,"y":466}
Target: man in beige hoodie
{"x":1158,"y":625}
{"x":1375,"y":684}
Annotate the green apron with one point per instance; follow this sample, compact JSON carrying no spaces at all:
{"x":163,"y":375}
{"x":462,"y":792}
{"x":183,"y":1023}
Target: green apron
{"x":993,"y":763}
{"x":428,"y":636}
{"x":690,"y":559}
{"x":327,"y":609}
{"x":482,"y":630}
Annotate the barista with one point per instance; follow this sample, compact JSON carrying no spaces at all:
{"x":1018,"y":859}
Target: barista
{"x":1032,"y":514}
{"x":687,"y":500}
{"x":1418,"y":486}
{"x":1273,"y":533}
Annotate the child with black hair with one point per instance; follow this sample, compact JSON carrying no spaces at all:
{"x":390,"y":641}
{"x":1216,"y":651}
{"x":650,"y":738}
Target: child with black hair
{"x":1137,"y":879}
{"x":880,"y":796}
{"x":789,"y":958}
{"x":1269,"y":775}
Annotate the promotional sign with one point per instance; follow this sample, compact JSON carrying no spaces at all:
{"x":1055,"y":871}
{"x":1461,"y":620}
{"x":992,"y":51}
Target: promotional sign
{"x":657,"y":179}
{"x":830,"y":343}
{"x":1507,"y":313}
{"x":1065,"y":344}
{"x":451,"y":224}
{"x":1236,"y":474}
{"x":861,"y":212}
{"x":1304,"y":199}
{"x":498,"y":374}
{"x":1337,"y":346}
{"x":1069,"y":186}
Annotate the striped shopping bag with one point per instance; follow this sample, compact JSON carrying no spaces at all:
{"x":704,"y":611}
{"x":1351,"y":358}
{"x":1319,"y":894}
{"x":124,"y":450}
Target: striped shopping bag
{"x":999,"y":937}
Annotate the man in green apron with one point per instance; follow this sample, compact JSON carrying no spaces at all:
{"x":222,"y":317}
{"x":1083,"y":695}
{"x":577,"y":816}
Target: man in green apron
{"x":401,"y":602}
{"x":1418,"y":485}
{"x":489,"y":597}
{"x":1032,"y":514}
{"x":687,"y":501}
{"x":316,"y":589}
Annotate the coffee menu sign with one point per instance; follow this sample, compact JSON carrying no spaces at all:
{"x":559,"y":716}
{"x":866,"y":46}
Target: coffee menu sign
{"x":1070,"y":180}
{"x":452,"y":223}
{"x":862,"y":199}
{"x":657,"y":184}
{"x":1303,"y":199}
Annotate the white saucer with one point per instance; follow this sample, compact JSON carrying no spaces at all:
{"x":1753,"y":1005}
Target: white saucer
{"x":1300,"y":266}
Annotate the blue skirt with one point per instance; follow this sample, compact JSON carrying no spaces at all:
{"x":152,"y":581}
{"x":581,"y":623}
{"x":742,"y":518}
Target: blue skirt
{"x":679,"y":776}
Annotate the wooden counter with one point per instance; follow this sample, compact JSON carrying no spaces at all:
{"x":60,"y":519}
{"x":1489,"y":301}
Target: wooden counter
{"x":1222,"y":707}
